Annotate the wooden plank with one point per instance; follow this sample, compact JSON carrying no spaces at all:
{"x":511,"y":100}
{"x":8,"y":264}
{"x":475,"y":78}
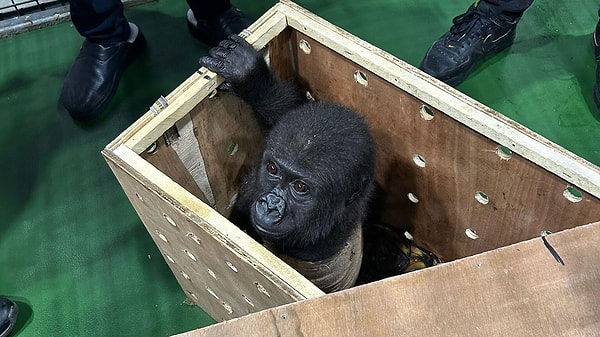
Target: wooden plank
{"x":219,"y":267}
{"x":443,"y":164}
{"x":519,"y":290}
{"x":462,"y":108}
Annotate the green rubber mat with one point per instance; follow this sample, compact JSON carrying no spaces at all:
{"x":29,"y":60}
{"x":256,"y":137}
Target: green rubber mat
{"x":73,"y":252}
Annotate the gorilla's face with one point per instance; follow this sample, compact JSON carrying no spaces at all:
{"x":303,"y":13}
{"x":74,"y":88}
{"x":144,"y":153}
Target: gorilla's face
{"x":318,"y":160}
{"x":287,"y":199}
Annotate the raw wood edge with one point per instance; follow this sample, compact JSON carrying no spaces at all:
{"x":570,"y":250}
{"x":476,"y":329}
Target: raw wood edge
{"x":222,"y":229}
{"x":194,"y":89}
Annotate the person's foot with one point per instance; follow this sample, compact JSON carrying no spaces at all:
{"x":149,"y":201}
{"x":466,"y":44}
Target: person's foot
{"x":94,"y":76}
{"x":218,"y":29}
{"x":473,"y":36}
{"x":596,"y":44}
{"x":8,"y":316}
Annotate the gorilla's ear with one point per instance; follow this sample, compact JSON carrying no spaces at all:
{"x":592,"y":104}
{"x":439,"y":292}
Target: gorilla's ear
{"x":359,"y":190}
{"x":353,"y":197}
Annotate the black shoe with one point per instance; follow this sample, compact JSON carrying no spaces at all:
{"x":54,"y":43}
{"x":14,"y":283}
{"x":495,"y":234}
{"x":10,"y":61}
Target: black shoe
{"x":595,"y":42}
{"x":216,"y":30}
{"x":8,"y":316}
{"x":95,"y":74}
{"x":473,"y":36}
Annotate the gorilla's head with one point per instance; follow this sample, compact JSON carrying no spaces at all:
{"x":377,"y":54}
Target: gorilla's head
{"x":316,"y":175}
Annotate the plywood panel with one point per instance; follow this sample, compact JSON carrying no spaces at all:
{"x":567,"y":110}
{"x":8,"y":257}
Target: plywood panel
{"x":210,"y":261}
{"x":519,"y":290}
{"x":444,"y":164}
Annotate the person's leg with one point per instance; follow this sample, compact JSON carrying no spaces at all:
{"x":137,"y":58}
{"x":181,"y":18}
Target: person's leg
{"x":510,"y":9}
{"x":101,"y":22}
{"x":487,"y":27}
{"x":596,"y":43}
{"x":111,"y":43}
{"x":8,"y":316}
{"x":212,"y":21}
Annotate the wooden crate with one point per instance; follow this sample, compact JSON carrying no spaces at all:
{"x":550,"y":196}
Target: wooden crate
{"x":466,"y":182}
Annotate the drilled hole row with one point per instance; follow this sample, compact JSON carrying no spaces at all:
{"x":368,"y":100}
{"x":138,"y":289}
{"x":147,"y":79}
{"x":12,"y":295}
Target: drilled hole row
{"x":228,"y":308}
{"x":259,"y":287}
{"x":503,"y":153}
{"x":570,"y":193}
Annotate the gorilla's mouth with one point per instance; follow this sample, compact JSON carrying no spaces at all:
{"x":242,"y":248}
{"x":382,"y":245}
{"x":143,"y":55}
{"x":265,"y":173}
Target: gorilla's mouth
{"x":270,"y":234}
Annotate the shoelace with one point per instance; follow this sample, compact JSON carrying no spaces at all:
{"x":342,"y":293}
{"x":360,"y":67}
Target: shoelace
{"x":463,"y":23}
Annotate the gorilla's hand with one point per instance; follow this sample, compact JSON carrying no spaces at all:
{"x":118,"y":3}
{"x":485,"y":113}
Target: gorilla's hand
{"x":234,"y":59}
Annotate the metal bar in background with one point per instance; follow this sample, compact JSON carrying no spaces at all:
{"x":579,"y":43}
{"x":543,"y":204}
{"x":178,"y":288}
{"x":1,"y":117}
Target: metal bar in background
{"x":20,"y":16}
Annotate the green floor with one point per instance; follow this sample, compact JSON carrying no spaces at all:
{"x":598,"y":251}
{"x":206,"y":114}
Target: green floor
{"x":73,"y":252}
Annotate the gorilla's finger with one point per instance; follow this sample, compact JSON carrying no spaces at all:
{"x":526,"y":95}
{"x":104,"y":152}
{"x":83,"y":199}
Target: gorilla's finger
{"x":221,"y":53}
{"x":228,"y":44}
{"x":238,"y":39}
{"x":213,"y":64}
{"x":216,"y":51}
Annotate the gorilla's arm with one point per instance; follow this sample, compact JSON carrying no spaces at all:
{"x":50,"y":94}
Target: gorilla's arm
{"x":251,"y":79}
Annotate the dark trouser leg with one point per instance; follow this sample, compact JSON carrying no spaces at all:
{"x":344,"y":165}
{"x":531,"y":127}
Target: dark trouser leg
{"x":100,"y":21}
{"x":512,"y":9}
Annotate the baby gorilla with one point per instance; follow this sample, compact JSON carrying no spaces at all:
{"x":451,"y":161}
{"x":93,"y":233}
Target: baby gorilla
{"x":308,"y":196}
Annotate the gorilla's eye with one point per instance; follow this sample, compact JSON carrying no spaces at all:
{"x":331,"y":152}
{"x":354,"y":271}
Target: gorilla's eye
{"x":271,"y":168}
{"x":300,"y":187}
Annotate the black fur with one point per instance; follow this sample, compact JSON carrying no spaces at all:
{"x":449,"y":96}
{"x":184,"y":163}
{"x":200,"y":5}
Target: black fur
{"x":316,"y":175}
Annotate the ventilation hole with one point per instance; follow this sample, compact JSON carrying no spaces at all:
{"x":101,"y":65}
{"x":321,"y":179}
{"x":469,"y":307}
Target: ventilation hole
{"x":170,"y":258}
{"x":310,"y":97}
{"x":190,"y":255}
{"x":426,"y":113}
{"x":471,"y":234}
{"x":211,"y":273}
{"x":361,"y":78}
{"x":185,"y":275}
{"x":481,"y":197}
{"x":304,"y":46}
{"x":248,"y":300}
{"x":262,"y":289}
{"x":408,"y":236}
{"x":230,"y":265}
{"x":503,"y":152}
{"x":213,"y":94}
{"x":139,"y":196}
{"x":572,"y":194}
{"x":194,"y":237}
{"x":161,"y":236}
{"x":169,"y":220}
{"x":232,"y":149}
{"x":419,"y":160}
{"x":211,"y":292}
{"x":152,"y":148}
{"x":413,"y":198}
{"x":227,"y":307}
